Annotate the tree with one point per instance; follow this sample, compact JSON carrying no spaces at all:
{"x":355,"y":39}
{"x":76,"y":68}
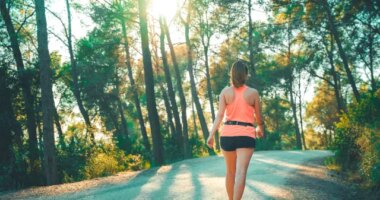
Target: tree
{"x":47,"y":95}
{"x":291,"y":13}
{"x":11,"y":128}
{"x":25,"y":85}
{"x":321,"y":42}
{"x":194,"y":92}
{"x":169,"y":84}
{"x":322,"y":111}
{"x":180,"y":92}
{"x":342,"y":53}
{"x":362,"y":18}
{"x":74,"y":74}
{"x":336,"y":79}
{"x":250,"y":38}
{"x":206,"y":27}
{"x":149,"y":86}
{"x":130,"y":75}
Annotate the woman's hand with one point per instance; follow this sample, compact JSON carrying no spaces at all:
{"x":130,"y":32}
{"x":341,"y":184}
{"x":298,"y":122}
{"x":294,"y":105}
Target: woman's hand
{"x":210,"y":141}
{"x":260,"y":131}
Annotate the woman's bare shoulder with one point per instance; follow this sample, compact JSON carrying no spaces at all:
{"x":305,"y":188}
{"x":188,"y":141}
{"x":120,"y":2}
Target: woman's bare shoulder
{"x":226,"y":90}
{"x":253,"y":91}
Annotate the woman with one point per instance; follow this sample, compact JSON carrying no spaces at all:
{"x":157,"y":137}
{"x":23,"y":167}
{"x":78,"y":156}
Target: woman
{"x":242,"y":106}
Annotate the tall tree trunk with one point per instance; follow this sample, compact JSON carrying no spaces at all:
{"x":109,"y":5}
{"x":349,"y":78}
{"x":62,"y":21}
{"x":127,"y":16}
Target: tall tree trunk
{"x":169,"y":113}
{"x":291,"y":90}
{"x":124,"y":125}
{"x":182,"y":98}
{"x":209,"y":90}
{"x":195,"y":135}
{"x":46,"y":95}
{"x":194,"y":92}
{"x":38,"y":107}
{"x":371,"y":54}
{"x":169,"y":84}
{"x":59,"y":129}
{"x":326,"y":137}
{"x":194,"y":119}
{"x":341,"y":51}
{"x":339,"y":100}
{"x":9,"y":123}
{"x":330,"y":137}
{"x":133,"y":86}
{"x":25,"y":85}
{"x":106,"y":107}
{"x":74,"y":74}
{"x":294,"y":109}
{"x":300,"y":112}
{"x":168,"y":108}
{"x":250,"y":39}
{"x":206,"y":44}
{"x":149,"y":86}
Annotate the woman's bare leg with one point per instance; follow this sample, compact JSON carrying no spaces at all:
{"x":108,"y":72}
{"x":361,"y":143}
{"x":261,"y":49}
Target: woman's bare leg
{"x":230,"y":158}
{"x":243,"y":157}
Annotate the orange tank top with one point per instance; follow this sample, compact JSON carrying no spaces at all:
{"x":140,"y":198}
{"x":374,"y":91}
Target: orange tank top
{"x":239,"y":110}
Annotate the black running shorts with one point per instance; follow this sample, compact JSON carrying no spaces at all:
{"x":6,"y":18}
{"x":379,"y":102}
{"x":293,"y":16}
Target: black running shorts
{"x":234,"y":142}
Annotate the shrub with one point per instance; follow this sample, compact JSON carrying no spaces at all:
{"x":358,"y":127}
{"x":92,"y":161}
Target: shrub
{"x":357,"y":142}
{"x":198,"y":146}
{"x":102,"y":165}
{"x":80,"y":159}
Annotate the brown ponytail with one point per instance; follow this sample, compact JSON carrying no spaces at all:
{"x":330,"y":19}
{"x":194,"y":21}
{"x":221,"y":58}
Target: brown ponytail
{"x":238,"y":73}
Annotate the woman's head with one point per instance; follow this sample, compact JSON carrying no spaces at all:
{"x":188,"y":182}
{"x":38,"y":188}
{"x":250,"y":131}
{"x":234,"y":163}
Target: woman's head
{"x":238,"y":73}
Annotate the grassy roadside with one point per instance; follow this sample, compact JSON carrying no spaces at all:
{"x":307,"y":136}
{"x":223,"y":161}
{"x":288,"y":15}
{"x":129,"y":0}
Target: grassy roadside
{"x":363,"y":189}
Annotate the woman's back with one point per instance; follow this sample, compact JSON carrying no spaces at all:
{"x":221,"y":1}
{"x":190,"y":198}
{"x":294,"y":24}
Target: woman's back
{"x":240,"y":106}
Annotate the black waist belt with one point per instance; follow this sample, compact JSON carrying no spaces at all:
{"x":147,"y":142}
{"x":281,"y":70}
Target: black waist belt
{"x":238,"y":123}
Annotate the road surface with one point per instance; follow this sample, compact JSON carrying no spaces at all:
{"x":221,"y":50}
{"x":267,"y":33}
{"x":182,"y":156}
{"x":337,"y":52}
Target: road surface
{"x":271,"y":175}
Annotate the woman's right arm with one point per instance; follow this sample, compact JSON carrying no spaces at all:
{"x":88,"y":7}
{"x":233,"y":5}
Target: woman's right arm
{"x":259,"y":119}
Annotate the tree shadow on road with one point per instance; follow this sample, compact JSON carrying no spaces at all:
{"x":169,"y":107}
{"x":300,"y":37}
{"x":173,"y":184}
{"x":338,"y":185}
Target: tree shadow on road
{"x":189,"y":179}
{"x":113,"y":191}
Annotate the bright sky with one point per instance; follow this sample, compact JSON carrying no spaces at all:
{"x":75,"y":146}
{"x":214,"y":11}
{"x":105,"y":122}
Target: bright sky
{"x":166,"y":8}
{"x":82,"y":24}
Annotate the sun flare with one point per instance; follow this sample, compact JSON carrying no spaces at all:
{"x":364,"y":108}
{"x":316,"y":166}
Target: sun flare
{"x":165,"y":8}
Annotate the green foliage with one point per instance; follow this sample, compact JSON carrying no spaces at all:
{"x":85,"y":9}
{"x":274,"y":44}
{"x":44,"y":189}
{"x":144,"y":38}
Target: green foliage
{"x":278,"y":127}
{"x":272,"y":141}
{"x":332,"y":164}
{"x":102,"y":164}
{"x":17,"y":173}
{"x":198,"y":146}
{"x":81,"y":160}
{"x":171,"y":150}
{"x":321,"y":115}
{"x":136,"y":162}
{"x":357,"y":142}
{"x":172,"y":153}
{"x":72,"y":160}
{"x":322,"y":110}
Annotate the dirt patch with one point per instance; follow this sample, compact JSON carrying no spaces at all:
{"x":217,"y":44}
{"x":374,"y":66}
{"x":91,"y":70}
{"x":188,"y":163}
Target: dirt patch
{"x":314,"y":181}
{"x":68,"y":187}
{"x":61,"y":189}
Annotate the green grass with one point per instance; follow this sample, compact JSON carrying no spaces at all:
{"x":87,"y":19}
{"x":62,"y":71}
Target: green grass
{"x":332,"y":164}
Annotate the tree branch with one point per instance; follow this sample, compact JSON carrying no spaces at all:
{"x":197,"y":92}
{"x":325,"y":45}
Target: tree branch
{"x":60,"y":20}
{"x":23,"y":23}
{"x":58,"y":37}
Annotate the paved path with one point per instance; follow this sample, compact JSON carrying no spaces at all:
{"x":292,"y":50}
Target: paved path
{"x":271,"y":175}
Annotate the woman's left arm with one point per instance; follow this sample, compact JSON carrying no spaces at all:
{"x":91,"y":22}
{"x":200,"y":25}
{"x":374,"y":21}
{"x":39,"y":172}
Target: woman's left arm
{"x":220,"y":115}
